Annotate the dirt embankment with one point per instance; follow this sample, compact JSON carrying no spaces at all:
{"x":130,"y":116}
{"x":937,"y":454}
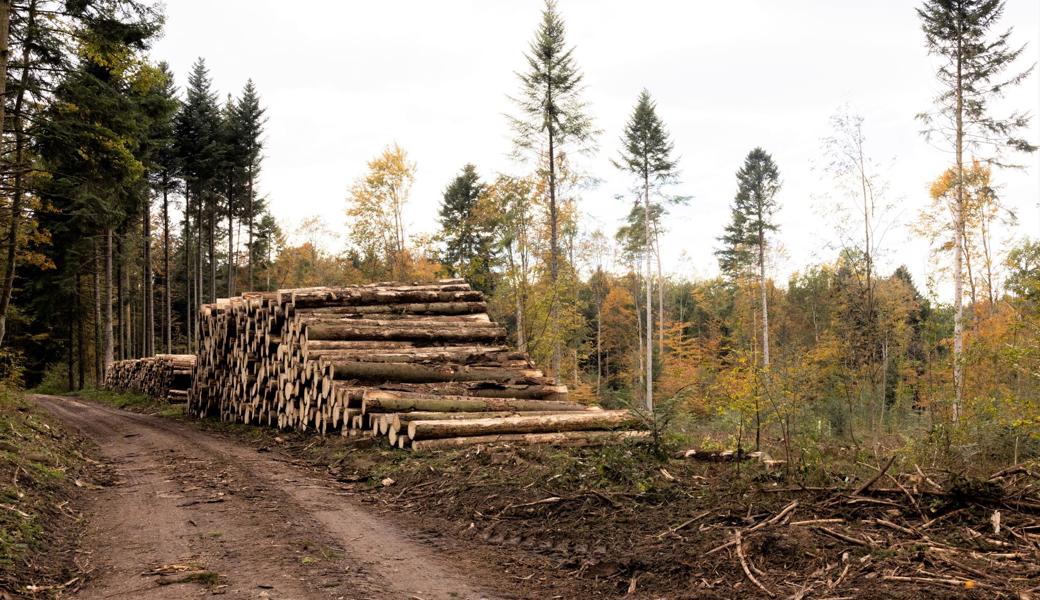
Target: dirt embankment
{"x":44,"y":468}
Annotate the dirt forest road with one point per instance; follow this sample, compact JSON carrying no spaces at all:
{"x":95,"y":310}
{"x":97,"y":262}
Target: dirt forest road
{"x":189,"y":514}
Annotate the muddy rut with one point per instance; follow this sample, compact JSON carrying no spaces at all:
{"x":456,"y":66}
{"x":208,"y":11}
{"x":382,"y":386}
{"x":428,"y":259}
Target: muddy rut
{"x":188,"y":514}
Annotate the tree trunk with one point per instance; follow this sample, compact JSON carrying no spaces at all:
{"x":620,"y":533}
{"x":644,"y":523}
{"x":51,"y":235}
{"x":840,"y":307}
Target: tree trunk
{"x":167,"y":279}
{"x":660,"y":295}
{"x":98,"y":337}
{"x":337,"y":330}
{"x":649,"y":303}
{"x":230,"y":247}
{"x":16,"y":198}
{"x":763,"y":295}
{"x":81,"y":338}
{"x":188,"y":277}
{"x":108,"y":334}
{"x":574,"y":421}
{"x":385,"y":401}
{"x":554,"y":246}
{"x":958,"y":259}
{"x":566,"y":439}
{"x":121,"y":332}
{"x":149,"y":299}
{"x":415,"y":373}
{"x":212,"y":247}
{"x":249,"y":204}
{"x":70,"y":361}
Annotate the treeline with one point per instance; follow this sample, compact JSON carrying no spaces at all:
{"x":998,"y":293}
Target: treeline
{"x":841,"y":348}
{"x":125,"y":202}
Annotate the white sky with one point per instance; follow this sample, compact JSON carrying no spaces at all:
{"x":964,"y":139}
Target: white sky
{"x":341,"y":80}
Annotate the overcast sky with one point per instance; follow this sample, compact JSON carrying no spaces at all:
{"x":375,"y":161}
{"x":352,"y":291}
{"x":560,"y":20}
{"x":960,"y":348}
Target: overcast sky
{"x":342,"y":80}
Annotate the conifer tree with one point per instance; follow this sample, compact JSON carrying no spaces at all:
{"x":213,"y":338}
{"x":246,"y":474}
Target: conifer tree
{"x":746,"y":237}
{"x":553,"y":118}
{"x":197,"y":144}
{"x":251,"y":119}
{"x":975,"y":71}
{"x":646,"y":153}
{"x":468,"y":242}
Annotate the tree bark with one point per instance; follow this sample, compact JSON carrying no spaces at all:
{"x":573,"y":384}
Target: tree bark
{"x":230,"y":246}
{"x":649,"y":399}
{"x":555,"y":423}
{"x":958,"y":226}
{"x":249,"y":209}
{"x":81,"y":338}
{"x":108,"y":340}
{"x":212,"y":246}
{"x":98,"y":343}
{"x":121,"y":333}
{"x":567,"y":439}
{"x":17,"y":194}
{"x":384,"y":401}
{"x":149,"y":296}
{"x":416,"y":373}
{"x":167,"y":292}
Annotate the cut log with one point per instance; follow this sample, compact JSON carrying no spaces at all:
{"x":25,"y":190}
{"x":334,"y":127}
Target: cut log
{"x":606,"y":419}
{"x":416,"y":373}
{"x":428,"y":308}
{"x":345,"y":330}
{"x":383,"y":401}
{"x":362,"y":296}
{"x":567,"y":438}
{"x":482,"y":389}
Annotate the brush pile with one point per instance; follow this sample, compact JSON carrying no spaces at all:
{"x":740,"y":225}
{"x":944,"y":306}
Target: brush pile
{"x":164,"y":377}
{"x":421,"y":364}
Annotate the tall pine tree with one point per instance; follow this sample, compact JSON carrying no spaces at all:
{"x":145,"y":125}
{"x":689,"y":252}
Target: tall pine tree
{"x":646,"y":153}
{"x":746,"y":238}
{"x":974,"y":72}
{"x":553,"y":117}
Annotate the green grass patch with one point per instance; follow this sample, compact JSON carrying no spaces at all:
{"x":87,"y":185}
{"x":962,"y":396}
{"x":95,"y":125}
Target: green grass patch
{"x":124,"y":400}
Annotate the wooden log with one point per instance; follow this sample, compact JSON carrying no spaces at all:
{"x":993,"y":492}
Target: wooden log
{"x":361,"y":296}
{"x":482,"y":389}
{"x":382,"y":401}
{"x":566,"y":438}
{"x":426,"y":308}
{"x":421,"y":373}
{"x":345,"y":330}
{"x":574,"y":421}
{"x":399,"y":421}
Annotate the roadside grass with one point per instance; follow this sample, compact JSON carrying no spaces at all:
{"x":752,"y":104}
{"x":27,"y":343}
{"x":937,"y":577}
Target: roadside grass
{"x":41,"y":467}
{"x":123,"y":400}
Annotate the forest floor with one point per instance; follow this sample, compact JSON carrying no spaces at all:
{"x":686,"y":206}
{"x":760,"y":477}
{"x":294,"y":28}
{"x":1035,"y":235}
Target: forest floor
{"x":189,"y":508}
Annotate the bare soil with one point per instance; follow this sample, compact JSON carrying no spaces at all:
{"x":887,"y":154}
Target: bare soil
{"x":212,"y":508}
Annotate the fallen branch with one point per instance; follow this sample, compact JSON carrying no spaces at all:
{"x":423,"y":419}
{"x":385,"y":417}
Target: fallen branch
{"x":775,"y":519}
{"x":842,"y":536}
{"x":747,"y":569}
{"x":873,"y":480}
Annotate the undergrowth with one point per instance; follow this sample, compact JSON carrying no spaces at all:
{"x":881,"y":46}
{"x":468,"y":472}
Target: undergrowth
{"x":41,"y":466}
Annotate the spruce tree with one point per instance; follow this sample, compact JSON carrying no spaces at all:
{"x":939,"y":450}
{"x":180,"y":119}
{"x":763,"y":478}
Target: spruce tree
{"x":165,"y":182}
{"x":468,"y":242}
{"x":197,"y":145}
{"x":646,"y":153}
{"x":978,"y":66}
{"x":251,"y":119}
{"x":553,"y":118}
{"x":746,"y":238}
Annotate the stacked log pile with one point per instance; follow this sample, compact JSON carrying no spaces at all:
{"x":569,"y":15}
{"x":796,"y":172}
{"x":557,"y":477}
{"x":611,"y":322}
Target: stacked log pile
{"x":421,"y":364}
{"x":165,"y":377}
